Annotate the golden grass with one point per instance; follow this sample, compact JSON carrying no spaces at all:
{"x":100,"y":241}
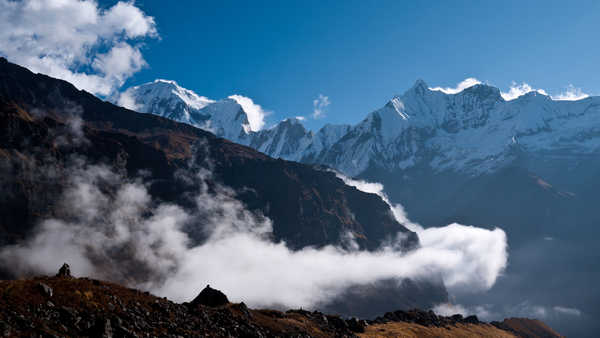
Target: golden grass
{"x":410,"y":330}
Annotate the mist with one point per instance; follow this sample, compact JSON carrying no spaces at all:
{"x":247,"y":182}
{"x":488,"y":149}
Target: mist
{"x":111,"y":228}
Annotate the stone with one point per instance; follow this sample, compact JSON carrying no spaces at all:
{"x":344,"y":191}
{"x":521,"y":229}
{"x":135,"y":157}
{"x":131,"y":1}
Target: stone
{"x":210,"y":297}
{"x":64,"y":271}
{"x":46,"y":290}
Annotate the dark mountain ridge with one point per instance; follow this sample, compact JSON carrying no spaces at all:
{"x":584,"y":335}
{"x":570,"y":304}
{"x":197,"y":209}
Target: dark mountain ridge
{"x":307,"y":206}
{"x":46,"y":125}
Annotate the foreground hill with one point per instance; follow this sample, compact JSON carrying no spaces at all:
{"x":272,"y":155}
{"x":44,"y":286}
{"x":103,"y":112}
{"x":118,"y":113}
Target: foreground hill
{"x":83,"y":307}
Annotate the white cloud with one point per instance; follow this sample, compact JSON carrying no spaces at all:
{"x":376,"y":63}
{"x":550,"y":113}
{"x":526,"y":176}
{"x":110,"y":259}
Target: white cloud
{"x":571,"y":94}
{"x":126,"y":99}
{"x":466,"y":83}
{"x":95,"y":49}
{"x":481,"y":254}
{"x":126,"y":236}
{"x":567,"y":310}
{"x":490,"y":312}
{"x":319,"y":106}
{"x":256,"y":115}
{"x":517,"y":90}
{"x":481,"y":311}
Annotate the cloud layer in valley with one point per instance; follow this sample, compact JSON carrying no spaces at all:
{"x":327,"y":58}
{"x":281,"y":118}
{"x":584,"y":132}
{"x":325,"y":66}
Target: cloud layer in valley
{"x":95,"y":49}
{"x":113,"y":229}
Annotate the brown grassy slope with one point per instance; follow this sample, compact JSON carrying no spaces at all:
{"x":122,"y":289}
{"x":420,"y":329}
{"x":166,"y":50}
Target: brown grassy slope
{"x":411,"y":330}
{"x":528,"y":327}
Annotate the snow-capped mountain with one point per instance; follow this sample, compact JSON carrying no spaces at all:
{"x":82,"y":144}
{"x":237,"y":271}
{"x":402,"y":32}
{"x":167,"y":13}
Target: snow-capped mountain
{"x":228,"y":119}
{"x":474,"y":131}
{"x":225,"y":118}
{"x":528,"y":165}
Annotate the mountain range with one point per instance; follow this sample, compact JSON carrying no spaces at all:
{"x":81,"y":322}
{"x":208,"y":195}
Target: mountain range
{"x":475,"y":130}
{"x":50,"y":130}
{"x":528,"y":165}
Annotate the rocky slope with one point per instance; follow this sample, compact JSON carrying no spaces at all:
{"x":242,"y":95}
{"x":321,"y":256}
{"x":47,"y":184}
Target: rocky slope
{"x":67,"y":306}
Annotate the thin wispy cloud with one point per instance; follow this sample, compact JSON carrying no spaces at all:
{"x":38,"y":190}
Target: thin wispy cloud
{"x":517,"y":90}
{"x":95,"y":49}
{"x":571,"y":94}
{"x":320,"y":105}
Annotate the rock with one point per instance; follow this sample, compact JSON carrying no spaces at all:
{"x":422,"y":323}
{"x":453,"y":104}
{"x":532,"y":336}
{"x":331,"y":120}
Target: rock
{"x":102,"y":329}
{"x":46,"y":290}
{"x":457,"y":317}
{"x":210,"y":297}
{"x":5,"y":329}
{"x":472,"y":319}
{"x":356,"y":325}
{"x":64,"y":271}
{"x":337,"y":322}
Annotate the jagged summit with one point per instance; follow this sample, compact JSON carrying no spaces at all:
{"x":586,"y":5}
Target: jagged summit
{"x":166,"y":81}
{"x":468,"y":130}
{"x":420,"y":83}
{"x":483,"y":91}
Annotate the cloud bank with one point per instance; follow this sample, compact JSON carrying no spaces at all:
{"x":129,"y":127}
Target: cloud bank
{"x":95,"y":49}
{"x":473,"y":257}
{"x":112,"y":228}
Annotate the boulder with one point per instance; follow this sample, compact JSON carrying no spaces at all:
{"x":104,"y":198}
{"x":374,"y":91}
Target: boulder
{"x":210,"y":297}
{"x":45,"y":289}
{"x":64,"y":271}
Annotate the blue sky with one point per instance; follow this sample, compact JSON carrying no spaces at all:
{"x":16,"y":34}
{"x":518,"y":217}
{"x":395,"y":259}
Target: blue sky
{"x":284,"y":54}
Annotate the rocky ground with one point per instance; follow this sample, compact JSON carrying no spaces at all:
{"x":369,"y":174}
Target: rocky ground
{"x":65,"y":306}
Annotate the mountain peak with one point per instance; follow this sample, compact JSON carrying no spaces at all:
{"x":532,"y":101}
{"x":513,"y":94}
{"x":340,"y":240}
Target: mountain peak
{"x":483,"y":91}
{"x":418,"y":89}
{"x":166,"y":81}
{"x":420,"y":83}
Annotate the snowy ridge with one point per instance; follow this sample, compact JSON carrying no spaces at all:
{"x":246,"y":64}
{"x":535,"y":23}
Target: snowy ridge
{"x":474,"y":130}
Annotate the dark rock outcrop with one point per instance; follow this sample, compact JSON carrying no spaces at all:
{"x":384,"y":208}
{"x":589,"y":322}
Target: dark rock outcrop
{"x":210,"y":297}
{"x":425,"y":318}
{"x":64,"y":271}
